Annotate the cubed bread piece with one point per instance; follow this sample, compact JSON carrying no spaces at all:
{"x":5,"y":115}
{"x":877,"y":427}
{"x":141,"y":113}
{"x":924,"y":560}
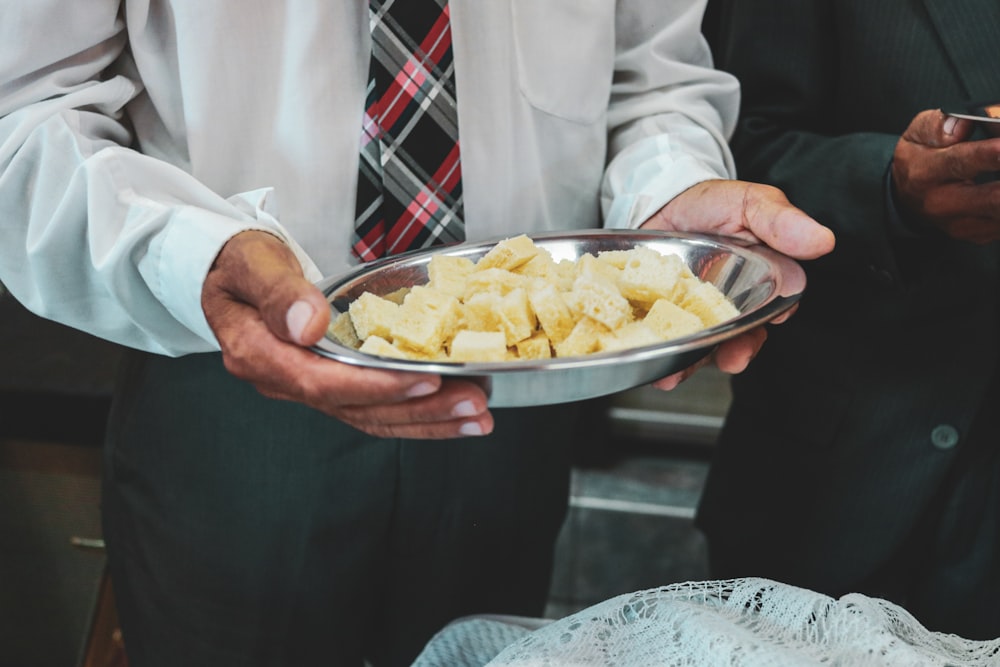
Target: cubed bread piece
{"x":648,"y":276}
{"x":537,"y":346}
{"x":588,"y":265}
{"x":426,"y":320}
{"x":478,"y":346}
{"x":510,"y":314}
{"x":481,"y":312}
{"x":509,"y":253}
{"x":516,"y":316}
{"x":599,"y":299}
{"x":566,"y":269}
{"x":616,"y":258}
{"x":554,"y":315}
{"x":707,"y":302}
{"x":341,"y":329}
{"x":633,"y":334}
{"x":372,"y":315}
{"x":583,"y":339}
{"x":381,"y":347}
{"x":542,"y":265}
{"x":397,"y":296}
{"x":440,"y":354}
{"x":500,"y":281}
{"x":668,"y":320}
{"x":448,"y":273}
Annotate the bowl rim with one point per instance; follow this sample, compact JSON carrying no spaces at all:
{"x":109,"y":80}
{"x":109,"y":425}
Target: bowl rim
{"x":788,"y":274}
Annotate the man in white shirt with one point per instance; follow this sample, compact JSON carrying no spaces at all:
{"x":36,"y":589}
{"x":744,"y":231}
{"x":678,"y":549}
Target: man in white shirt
{"x":174,"y":176}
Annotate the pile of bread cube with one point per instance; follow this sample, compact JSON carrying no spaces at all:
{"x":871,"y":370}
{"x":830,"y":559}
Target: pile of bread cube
{"x":518,"y":302}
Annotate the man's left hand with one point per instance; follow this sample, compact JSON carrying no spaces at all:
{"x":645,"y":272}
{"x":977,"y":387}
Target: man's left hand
{"x":752,"y":212}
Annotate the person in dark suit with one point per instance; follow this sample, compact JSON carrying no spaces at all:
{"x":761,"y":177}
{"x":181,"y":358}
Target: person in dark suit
{"x":860,"y":452}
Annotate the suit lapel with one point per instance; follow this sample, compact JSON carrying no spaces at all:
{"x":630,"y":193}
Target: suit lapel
{"x":969,"y":29}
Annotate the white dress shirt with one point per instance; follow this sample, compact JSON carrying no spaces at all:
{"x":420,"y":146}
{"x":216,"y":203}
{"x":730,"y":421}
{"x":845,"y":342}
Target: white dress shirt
{"x":137,"y":136}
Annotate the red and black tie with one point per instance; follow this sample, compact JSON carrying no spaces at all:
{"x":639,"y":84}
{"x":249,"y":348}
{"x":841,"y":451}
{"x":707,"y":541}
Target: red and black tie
{"x":410,"y":187}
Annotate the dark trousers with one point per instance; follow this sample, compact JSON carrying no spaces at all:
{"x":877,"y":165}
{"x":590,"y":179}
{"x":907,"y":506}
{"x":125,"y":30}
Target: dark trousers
{"x":246,"y":531}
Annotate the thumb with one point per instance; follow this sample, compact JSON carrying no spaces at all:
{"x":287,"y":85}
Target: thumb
{"x":307,"y":319}
{"x":259,"y":270}
{"x":783,"y":226}
{"x":935,"y":129}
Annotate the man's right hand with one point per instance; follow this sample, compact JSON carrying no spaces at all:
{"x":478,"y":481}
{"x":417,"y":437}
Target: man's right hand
{"x":934,"y":170}
{"x":266,"y":315}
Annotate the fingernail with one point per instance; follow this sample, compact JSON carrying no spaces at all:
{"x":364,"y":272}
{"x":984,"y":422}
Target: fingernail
{"x":464,"y":409}
{"x":420,"y":389}
{"x":949,"y":125}
{"x":669,"y":383}
{"x":470,"y":428}
{"x":298,"y":316}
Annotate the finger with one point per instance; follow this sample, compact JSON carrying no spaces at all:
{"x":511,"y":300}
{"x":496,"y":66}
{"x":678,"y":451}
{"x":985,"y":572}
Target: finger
{"x":783,"y":317}
{"x":751,"y":211}
{"x":934,"y":150}
{"x":671,"y":382}
{"x":918,"y":168}
{"x":735,"y":355}
{"x":286,"y":371}
{"x":973,"y":229}
{"x":963,"y":200}
{"x":437,"y":431}
{"x":784,"y":227}
{"x":966,"y":161}
{"x":935,"y":129}
{"x":381,"y":403}
{"x":459,"y":409}
{"x":259,"y":269}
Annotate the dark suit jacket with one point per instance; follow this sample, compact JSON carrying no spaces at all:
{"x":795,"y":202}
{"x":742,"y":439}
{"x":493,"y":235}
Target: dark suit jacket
{"x":844,"y":428}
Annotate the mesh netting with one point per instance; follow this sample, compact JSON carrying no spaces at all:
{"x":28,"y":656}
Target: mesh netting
{"x":741,"y":622}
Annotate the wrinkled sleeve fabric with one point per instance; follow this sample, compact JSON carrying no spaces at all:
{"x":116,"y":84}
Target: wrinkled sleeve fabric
{"x":671,"y":112}
{"x":85,"y":220}
{"x":795,"y":132}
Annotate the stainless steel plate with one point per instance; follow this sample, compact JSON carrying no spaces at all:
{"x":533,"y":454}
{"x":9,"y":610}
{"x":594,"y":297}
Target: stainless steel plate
{"x":760,"y":282}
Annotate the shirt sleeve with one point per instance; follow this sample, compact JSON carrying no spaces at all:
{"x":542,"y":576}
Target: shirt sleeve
{"x":671,"y":112}
{"x":86,"y":221}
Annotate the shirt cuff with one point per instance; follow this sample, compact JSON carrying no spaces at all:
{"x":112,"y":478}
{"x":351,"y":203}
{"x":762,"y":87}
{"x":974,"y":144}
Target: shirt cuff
{"x":645,"y":178}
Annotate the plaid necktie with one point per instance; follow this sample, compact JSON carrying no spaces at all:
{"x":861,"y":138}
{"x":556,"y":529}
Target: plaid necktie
{"x":409,"y":188}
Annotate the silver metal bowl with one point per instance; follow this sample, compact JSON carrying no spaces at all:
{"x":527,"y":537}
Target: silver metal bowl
{"x":760,"y":282}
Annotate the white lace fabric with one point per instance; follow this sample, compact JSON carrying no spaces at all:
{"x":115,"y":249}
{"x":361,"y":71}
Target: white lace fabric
{"x":733,"y":623}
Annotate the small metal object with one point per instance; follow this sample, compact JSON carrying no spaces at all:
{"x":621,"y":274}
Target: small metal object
{"x":87,"y":542}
